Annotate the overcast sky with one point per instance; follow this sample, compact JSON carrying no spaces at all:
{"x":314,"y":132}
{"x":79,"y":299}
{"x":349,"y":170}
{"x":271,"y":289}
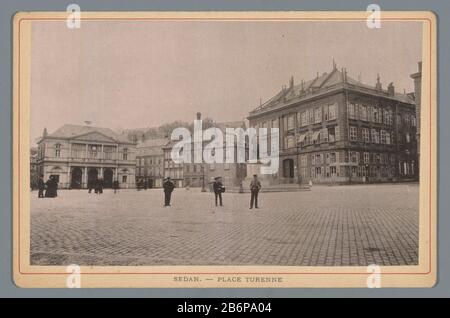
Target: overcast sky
{"x":141,"y":74}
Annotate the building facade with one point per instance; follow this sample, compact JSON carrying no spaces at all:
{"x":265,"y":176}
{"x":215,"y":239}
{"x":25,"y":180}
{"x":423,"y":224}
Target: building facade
{"x":150,"y":162}
{"x":334,"y":129}
{"x":171,"y":169}
{"x":417,"y":77}
{"x":78,"y":155}
{"x":203,"y":174}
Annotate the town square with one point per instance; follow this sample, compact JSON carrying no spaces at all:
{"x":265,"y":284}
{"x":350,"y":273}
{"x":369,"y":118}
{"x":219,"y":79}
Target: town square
{"x":354,"y":225}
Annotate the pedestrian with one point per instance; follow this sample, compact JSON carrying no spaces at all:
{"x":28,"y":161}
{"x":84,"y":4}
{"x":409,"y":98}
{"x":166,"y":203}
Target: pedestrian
{"x":99,"y":186}
{"x":51,"y":188}
{"x":41,"y":186}
{"x":90,"y":185}
{"x":168,"y":189}
{"x":255,"y":186}
{"x":115,"y":186}
{"x":218,"y":189}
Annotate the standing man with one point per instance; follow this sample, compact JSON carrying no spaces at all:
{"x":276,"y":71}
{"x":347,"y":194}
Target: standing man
{"x":115,"y":186}
{"x":168,"y":189}
{"x":41,"y":186}
{"x":218,"y":189}
{"x":99,"y":186}
{"x":255,"y":186}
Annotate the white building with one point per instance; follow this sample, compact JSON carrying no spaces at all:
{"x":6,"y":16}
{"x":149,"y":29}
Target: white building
{"x":77,"y":155}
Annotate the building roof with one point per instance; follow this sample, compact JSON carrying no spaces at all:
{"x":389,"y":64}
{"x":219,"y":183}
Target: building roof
{"x":159,"y":142}
{"x":68,"y":131}
{"x":324,"y":83}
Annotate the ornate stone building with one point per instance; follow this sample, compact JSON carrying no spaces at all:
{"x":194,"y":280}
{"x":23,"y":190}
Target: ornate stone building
{"x":76,"y":155}
{"x":334,"y":129}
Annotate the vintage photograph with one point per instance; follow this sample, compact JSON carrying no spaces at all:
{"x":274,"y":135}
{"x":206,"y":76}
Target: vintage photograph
{"x":264,"y":143}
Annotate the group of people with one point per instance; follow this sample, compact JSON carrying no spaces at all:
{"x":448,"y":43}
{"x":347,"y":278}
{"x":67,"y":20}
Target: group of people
{"x":218,"y":188}
{"x":96,"y":185}
{"x":50,"y":187}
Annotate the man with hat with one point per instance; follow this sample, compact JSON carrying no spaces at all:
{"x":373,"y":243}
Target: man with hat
{"x":218,"y":189}
{"x":255,"y":186}
{"x":168,"y":189}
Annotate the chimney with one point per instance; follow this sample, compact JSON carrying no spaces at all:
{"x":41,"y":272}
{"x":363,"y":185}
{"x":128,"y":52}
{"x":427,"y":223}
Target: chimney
{"x":44,"y":134}
{"x":199,"y":116}
{"x":420,"y":66}
{"x":378,"y":86}
{"x":291,"y":82}
{"x":391,"y":89}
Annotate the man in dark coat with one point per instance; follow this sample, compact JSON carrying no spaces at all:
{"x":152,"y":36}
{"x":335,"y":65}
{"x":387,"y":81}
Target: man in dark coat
{"x":168,"y":189}
{"x":51,"y":188}
{"x":90,"y":185}
{"x":218,"y":189}
{"x":99,"y":186}
{"x":115,"y":186}
{"x":255,"y":186}
{"x":41,"y":186}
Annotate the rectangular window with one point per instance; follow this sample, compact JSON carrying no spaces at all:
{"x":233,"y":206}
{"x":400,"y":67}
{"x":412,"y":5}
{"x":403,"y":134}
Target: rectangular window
{"x":386,"y":117}
{"x":291,"y":122}
{"x":365,"y":135}
{"x":124,"y":179}
{"x":332,"y":134}
{"x":333,"y":157}
{"x":375,"y":114}
{"x":317,"y":115}
{"x":366,"y":157}
{"x":388,"y":138}
{"x":353,"y":133}
{"x":324,"y":135}
{"x":333,"y":170}
{"x":375,"y":136}
{"x":354,"y":156}
{"x":332,"y":111}
{"x":382,"y":136}
{"x":304,"y":119}
{"x":311,"y":116}
{"x":351,"y":111}
{"x":363,"y":112}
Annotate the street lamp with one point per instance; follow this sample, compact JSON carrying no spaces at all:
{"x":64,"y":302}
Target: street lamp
{"x":203,"y":178}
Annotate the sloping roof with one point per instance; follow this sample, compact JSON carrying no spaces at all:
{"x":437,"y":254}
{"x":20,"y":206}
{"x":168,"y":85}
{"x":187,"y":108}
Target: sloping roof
{"x":323,"y":83}
{"x":72,"y":131}
{"x":160,"y":142}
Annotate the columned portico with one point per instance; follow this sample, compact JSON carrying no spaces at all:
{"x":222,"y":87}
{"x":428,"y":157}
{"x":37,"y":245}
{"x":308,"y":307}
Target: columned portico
{"x":79,"y":154}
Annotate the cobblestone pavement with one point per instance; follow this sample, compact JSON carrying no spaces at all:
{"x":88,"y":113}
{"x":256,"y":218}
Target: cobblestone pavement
{"x":328,"y":226}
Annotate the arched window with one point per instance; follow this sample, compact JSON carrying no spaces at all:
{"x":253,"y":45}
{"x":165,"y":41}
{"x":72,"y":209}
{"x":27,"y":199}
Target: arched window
{"x":58,"y":150}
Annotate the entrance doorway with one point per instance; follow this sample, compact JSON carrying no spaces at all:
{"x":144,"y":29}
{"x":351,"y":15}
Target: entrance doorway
{"x":75,"y":181}
{"x":92,"y":177}
{"x":108,"y":178}
{"x":288,"y":168}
